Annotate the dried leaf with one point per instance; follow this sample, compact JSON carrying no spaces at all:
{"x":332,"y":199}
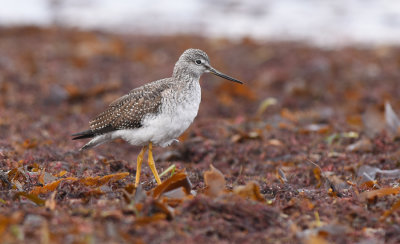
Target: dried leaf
{"x":286,"y":126}
{"x":354,"y":120}
{"x":132,"y":194}
{"x":41,"y":177}
{"x":363,"y":145}
{"x":101,"y":180}
{"x":315,"y":239}
{"x":287,"y":114}
{"x":373,"y":120}
{"x":29,"y":144}
{"x":96,"y":193}
{"x":178,"y":180}
{"x":155,"y":211}
{"x":379,"y":193}
{"x":149,"y":219}
{"x":159,"y":207}
{"x":16,"y":173}
{"x":73,"y":91}
{"x":394,"y":207}
{"x":236,"y":138}
{"x":280,"y":174}
{"x":241,"y":135}
{"x":322,"y":231}
{"x":89,"y":181}
{"x":34,"y":198}
{"x":51,"y":202}
{"x":316,"y":128}
{"x":49,"y":187}
{"x":336,"y":136}
{"x":250,"y":191}
{"x":35,"y":167}
{"x":350,"y":134}
{"x":368,"y":173}
{"x":176,"y":193}
{"x":308,"y":205}
{"x":5,"y":182}
{"x":391,"y":119}
{"x":45,"y":233}
{"x":215,"y":182}
{"x":17,"y":185}
{"x":309,"y":115}
{"x":274,"y":142}
{"x":61,"y":173}
{"x":369,"y":184}
{"x":265,"y":104}
{"x":317,"y":175}
{"x":47,"y":178}
{"x":140,"y":194}
{"x":6,"y":221}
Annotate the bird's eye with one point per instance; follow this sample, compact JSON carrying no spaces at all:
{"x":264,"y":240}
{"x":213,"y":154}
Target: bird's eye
{"x":198,"y":61}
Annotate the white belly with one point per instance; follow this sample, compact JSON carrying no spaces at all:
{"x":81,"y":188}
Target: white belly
{"x":164,"y":128}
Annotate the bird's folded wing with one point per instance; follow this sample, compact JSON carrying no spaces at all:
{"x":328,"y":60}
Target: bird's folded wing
{"x":127,"y":112}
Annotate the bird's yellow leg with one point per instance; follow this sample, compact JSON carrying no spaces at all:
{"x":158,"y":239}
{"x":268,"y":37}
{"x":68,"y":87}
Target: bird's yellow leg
{"x":139,"y":165}
{"x":152,"y":164}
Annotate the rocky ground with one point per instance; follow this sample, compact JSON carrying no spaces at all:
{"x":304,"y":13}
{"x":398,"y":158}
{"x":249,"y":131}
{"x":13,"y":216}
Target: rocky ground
{"x":306,"y":151}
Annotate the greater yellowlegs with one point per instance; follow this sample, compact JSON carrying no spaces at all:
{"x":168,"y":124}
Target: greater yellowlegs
{"x":156,"y":113}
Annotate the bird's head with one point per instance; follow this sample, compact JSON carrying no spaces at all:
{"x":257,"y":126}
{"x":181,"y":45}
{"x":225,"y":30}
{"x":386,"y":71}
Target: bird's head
{"x":195,"y":62}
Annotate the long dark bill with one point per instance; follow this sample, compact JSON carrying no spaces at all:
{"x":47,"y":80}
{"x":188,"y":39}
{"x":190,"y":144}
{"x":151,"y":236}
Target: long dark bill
{"x":217,"y":73}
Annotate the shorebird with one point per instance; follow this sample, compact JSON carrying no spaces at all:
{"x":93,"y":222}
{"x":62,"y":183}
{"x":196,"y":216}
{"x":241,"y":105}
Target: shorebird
{"x":155,"y":113}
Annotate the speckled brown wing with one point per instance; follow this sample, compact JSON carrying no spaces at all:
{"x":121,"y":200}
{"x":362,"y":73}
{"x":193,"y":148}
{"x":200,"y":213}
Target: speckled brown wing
{"x":127,"y":112}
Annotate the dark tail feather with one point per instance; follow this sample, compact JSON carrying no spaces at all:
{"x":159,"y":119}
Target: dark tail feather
{"x":83,"y":135}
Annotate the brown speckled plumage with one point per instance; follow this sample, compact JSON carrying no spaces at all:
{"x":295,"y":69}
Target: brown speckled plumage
{"x":128,"y":111}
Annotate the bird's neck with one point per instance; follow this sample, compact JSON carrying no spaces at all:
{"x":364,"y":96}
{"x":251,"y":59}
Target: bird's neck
{"x":184,"y":74}
{"x":186,"y":81}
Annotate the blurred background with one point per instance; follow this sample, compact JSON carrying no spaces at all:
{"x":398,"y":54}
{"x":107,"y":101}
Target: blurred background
{"x":70,"y":59}
{"x":324,"y":23}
